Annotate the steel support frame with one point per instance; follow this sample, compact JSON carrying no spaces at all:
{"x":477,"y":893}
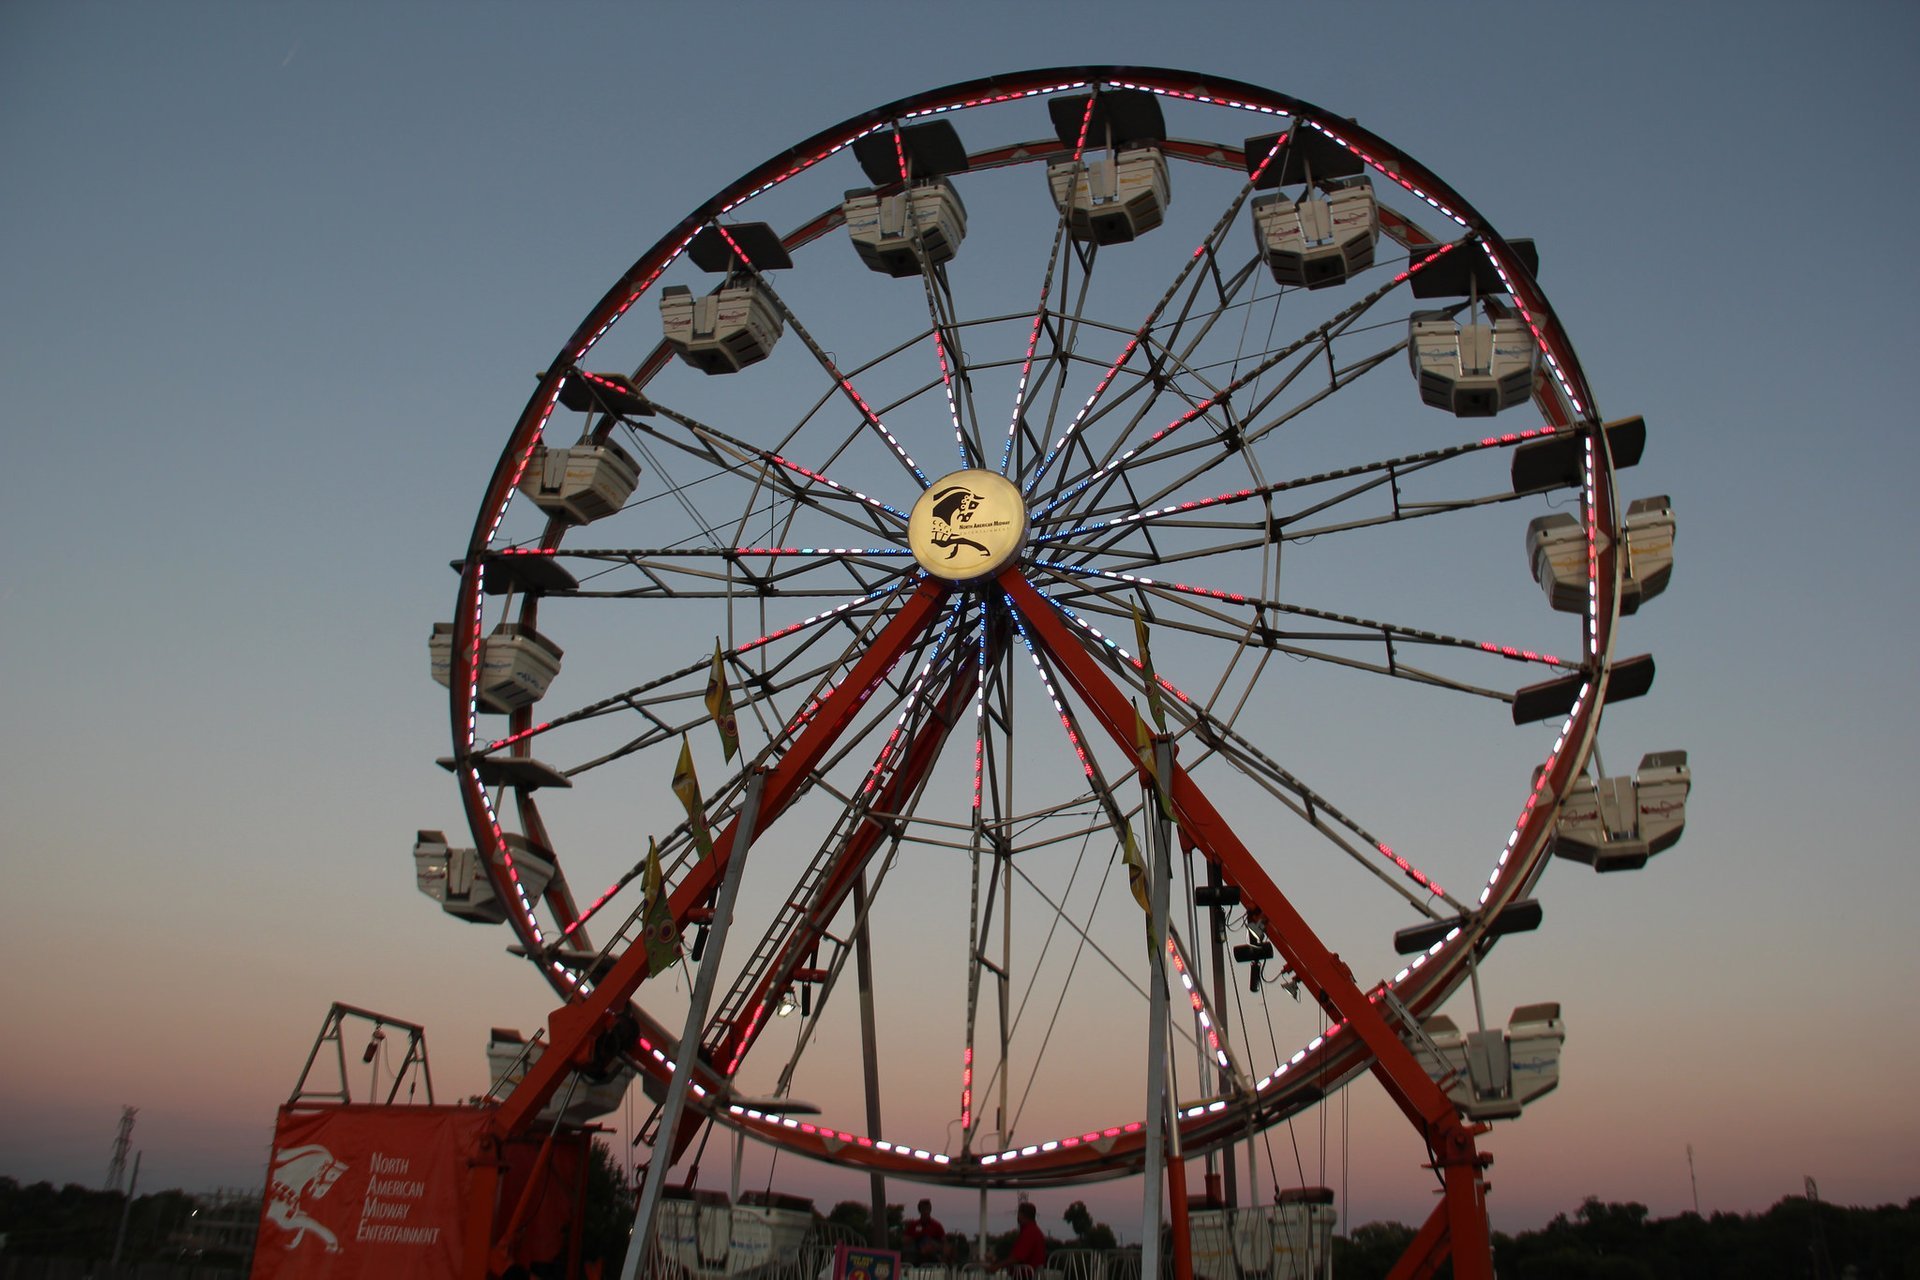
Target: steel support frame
{"x":575,"y":1028}
{"x":842,"y":878}
{"x":1448,"y":1138}
{"x":915,"y":761}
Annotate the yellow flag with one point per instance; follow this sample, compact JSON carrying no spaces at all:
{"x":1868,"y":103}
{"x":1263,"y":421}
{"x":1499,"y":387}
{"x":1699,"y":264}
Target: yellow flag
{"x":1154,"y":705}
{"x":720,"y":704}
{"x":1143,"y":743}
{"x":686,"y":785}
{"x":661,"y":933}
{"x":1137,"y":873}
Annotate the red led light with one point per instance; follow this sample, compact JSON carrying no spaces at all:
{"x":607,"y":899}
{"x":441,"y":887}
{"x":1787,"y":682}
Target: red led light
{"x":1086,"y":122}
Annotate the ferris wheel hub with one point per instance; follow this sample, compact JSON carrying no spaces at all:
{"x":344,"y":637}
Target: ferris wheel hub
{"x":968,"y":526}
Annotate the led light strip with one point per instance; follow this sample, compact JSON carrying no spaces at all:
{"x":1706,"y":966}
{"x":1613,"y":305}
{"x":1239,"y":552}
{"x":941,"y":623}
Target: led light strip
{"x":545,"y":411}
{"x":1233,"y":496}
{"x":1040,"y":311}
{"x":1413,"y":872}
{"x":1238,"y":597}
{"x":1153,"y":316}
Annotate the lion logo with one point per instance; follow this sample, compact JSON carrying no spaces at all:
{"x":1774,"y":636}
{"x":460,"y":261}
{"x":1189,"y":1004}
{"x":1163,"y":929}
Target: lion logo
{"x":296,"y":1173}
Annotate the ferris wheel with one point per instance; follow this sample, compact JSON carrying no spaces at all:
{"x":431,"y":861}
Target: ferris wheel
{"x":1007,"y":491}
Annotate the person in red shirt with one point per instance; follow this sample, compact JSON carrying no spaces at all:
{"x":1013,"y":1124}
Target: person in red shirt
{"x":926,"y":1239}
{"x":1029,"y":1252}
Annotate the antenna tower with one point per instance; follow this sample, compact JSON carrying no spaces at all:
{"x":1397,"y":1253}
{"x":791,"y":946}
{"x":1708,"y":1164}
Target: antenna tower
{"x":122,"y":1140}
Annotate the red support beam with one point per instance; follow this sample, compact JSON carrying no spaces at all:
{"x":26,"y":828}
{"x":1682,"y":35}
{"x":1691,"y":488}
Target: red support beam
{"x":1425,"y":1104}
{"x":913,"y":765}
{"x":573,"y":1029}
{"x":1427,"y":1251}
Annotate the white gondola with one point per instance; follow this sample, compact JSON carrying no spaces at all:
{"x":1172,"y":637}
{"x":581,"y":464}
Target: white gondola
{"x":1471,"y":370}
{"x":580,"y":483}
{"x":1616,"y":824}
{"x":509,"y":1057}
{"x":1557,"y":551}
{"x":724,"y":331}
{"x":1491,"y":1075}
{"x":886,"y":229}
{"x":1649,"y":551}
{"x":704,"y":1237}
{"x":1320,"y":239}
{"x":1291,"y":1240}
{"x":455,"y":879}
{"x":517,"y":664}
{"x":1110,"y":198}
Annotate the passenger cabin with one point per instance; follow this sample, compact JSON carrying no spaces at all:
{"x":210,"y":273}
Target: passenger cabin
{"x":509,"y":1056}
{"x":896,"y":234}
{"x":455,"y":879}
{"x":1472,"y":370}
{"x":920,"y":220}
{"x":1321,"y":238}
{"x":723,"y":331}
{"x":1113,"y":187}
{"x":517,"y":664}
{"x":737,"y":324}
{"x":1557,"y":550}
{"x":1616,"y":824}
{"x":1290,"y":1240}
{"x":1491,"y":1075}
{"x":1111,"y":198}
{"x":700,"y":1235}
{"x":581,"y":483}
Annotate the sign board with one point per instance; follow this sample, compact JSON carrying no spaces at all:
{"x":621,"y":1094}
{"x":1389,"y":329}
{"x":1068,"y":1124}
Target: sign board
{"x":860,"y":1262}
{"x":361,"y":1192}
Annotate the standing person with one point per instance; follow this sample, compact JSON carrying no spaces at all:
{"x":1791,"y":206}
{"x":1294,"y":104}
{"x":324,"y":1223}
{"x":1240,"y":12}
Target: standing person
{"x":926,"y":1239}
{"x":1029,"y":1252}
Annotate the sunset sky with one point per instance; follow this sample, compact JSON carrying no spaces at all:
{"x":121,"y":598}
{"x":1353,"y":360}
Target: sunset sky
{"x":275,"y":282}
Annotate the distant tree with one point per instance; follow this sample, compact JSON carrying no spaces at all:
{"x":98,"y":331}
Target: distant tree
{"x":857,"y":1215}
{"x":1088,"y":1234}
{"x":851,"y":1214}
{"x":79,"y":1222}
{"x":608,"y":1216}
{"x":1368,"y":1252}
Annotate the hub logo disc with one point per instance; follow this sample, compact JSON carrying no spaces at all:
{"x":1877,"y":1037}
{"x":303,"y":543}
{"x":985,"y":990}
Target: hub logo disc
{"x":968,"y":526}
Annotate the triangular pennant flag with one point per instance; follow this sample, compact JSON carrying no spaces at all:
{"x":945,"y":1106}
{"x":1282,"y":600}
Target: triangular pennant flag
{"x":1137,"y":881}
{"x":720,"y":704}
{"x":656,"y":915}
{"x":1143,"y":742}
{"x":1136,"y":872}
{"x":686,"y":785}
{"x":1154,"y":706}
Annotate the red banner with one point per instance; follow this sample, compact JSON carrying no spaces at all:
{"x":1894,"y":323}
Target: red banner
{"x":367,"y":1191}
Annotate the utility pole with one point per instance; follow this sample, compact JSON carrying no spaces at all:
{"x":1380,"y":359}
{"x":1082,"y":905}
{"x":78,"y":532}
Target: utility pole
{"x":121,"y":1142}
{"x":674,"y":1106}
{"x":126,"y":1210}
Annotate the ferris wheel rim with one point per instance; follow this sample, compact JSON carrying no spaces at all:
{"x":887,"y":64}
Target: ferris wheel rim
{"x":1424,"y":986}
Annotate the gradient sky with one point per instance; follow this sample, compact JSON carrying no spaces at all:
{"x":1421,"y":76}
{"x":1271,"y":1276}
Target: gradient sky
{"x":275,"y":279}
